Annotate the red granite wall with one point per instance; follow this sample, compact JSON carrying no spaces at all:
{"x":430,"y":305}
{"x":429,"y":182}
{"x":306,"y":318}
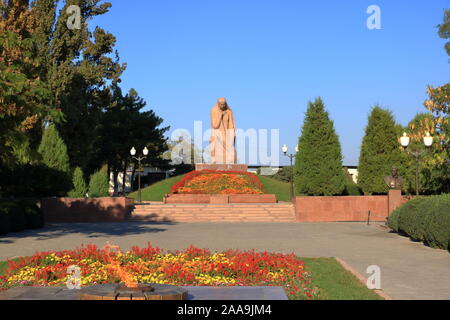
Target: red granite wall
{"x":331,"y":209}
{"x":87,"y":209}
{"x":351,"y":208}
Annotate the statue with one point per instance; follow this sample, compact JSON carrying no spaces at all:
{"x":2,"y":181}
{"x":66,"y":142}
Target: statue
{"x":394,"y":181}
{"x":223,"y":134}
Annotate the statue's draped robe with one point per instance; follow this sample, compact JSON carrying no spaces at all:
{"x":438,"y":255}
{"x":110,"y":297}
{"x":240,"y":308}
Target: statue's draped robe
{"x":223,"y":136}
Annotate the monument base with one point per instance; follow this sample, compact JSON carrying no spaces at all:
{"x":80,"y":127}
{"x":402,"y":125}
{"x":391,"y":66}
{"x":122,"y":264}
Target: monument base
{"x":221,"y":167}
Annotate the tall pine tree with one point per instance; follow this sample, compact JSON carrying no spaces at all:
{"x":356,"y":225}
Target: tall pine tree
{"x":318,"y":167}
{"x":380,"y":152}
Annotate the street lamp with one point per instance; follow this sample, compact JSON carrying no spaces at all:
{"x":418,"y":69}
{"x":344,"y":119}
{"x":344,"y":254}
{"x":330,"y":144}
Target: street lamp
{"x":427,"y":141}
{"x":285,"y":150}
{"x":140,"y":169}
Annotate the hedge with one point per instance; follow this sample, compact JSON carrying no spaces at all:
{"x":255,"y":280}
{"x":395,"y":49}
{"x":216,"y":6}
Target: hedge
{"x":34,"y":216}
{"x":16,"y":216}
{"x":425,"y":219}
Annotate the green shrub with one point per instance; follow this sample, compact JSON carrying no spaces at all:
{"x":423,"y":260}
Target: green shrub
{"x":393,"y":218}
{"x":99,"y":185}
{"x":437,"y":232}
{"x":424,"y":219}
{"x":34,"y":180}
{"x":34,"y":216}
{"x":284,"y":174}
{"x":15,"y":213}
{"x":79,"y":185}
{"x":352,"y":189}
{"x":412,"y":221}
{"x":4,"y":221}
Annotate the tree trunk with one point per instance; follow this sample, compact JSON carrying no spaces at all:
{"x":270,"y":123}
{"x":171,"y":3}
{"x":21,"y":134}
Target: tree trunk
{"x":132,"y":176}
{"x":116,"y":185}
{"x":124,"y":179}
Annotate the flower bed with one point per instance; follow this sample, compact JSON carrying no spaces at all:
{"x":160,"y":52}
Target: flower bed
{"x":191,"y":267}
{"x":218,"y":182}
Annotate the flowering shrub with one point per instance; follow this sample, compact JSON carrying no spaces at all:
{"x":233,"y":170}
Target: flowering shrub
{"x":218,"y":182}
{"x":191,"y":267}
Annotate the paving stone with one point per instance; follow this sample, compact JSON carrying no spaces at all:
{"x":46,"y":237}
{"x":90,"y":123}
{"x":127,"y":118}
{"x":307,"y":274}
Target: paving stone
{"x":194,"y":293}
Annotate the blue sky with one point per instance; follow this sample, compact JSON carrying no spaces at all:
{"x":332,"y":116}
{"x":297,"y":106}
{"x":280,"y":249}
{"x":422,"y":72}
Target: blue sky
{"x":270,"y":57}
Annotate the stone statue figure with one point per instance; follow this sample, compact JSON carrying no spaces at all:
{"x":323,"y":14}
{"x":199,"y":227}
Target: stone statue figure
{"x":223,"y":134}
{"x":394,"y":181}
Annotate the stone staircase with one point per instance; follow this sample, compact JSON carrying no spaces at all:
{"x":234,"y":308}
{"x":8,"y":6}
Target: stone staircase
{"x":158,"y":212}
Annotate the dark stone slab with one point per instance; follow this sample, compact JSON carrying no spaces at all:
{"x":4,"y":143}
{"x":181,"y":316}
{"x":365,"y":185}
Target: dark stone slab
{"x":32,"y":293}
{"x":236,"y":293}
{"x":194,"y":293}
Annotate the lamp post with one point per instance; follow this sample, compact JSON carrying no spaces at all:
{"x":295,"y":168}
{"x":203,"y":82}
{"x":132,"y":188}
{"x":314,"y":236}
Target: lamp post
{"x":427,"y":141}
{"x":140,"y":169}
{"x":291,"y":157}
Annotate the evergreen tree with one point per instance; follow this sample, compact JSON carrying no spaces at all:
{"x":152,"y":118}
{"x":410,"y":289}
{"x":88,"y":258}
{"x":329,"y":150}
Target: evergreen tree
{"x":79,"y":185}
{"x":318,"y":166}
{"x":99,"y":185}
{"x":82,"y":65}
{"x":54,"y":151}
{"x":24,"y":95}
{"x":124,"y":124}
{"x":380,"y":152}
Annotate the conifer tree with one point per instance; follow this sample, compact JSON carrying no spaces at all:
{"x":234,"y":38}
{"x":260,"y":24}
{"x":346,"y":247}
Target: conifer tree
{"x":380,"y":151}
{"x":53,"y":150}
{"x":318,"y":167}
{"x":79,"y":185}
{"x":99,"y":185}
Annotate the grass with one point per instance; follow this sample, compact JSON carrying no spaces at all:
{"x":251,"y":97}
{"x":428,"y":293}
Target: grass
{"x":157,"y":191}
{"x":335,"y":282}
{"x":3,"y":266}
{"x":281,"y":189}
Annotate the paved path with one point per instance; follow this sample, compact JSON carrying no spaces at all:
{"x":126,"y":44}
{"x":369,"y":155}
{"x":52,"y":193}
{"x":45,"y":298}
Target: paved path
{"x":409,"y":270}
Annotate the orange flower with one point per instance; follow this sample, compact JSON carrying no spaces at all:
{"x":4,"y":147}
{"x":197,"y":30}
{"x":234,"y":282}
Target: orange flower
{"x":219,"y":182}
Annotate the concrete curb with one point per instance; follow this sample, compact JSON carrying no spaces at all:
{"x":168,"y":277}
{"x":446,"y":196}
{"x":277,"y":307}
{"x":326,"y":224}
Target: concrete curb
{"x":363,"y":280}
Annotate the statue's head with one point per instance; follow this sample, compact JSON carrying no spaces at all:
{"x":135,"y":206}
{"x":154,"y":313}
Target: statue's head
{"x":222,"y":103}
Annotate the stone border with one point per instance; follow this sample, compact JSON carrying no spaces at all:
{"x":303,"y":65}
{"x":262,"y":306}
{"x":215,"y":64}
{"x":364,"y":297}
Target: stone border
{"x":361,"y":278}
{"x":219,"y":198}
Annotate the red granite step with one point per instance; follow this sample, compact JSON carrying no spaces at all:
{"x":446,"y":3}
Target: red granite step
{"x":283,"y":212}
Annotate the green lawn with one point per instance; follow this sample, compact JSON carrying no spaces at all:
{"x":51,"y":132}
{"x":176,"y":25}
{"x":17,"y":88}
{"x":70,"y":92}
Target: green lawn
{"x":3,"y":266}
{"x":280,"y":189}
{"x":335,"y":282}
{"x":158,"y":190}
